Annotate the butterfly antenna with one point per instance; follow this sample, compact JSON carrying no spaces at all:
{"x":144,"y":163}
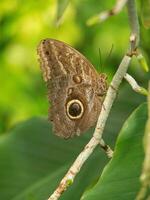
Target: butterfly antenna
{"x":109,"y":54}
{"x":100,"y":61}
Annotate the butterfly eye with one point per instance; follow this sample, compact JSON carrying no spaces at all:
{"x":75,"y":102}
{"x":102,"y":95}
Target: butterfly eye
{"x":75,"y":109}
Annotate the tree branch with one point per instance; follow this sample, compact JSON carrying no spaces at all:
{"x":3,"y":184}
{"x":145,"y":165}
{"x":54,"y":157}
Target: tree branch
{"x":110,"y":97}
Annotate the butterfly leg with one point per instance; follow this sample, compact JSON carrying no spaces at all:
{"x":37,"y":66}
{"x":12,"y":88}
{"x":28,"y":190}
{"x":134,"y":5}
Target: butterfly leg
{"x":102,"y":85}
{"x":106,"y":148}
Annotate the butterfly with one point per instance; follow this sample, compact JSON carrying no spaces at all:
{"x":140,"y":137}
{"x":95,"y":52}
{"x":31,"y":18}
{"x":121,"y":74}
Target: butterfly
{"x":75,"y":89}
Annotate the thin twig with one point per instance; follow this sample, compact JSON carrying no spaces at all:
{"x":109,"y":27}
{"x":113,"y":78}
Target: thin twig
{"x":97,"y":136}
{"x":101,"y":17}
{"x":109,"y":152}
{"x":114,"y":11}
{"x":75,"y":168}
{"x":110,"y":97}
{"x":134,"y":26}
{"x":135,"y":85}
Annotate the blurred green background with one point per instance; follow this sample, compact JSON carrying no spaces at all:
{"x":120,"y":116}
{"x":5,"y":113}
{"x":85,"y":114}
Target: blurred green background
{"x":24,"y":23}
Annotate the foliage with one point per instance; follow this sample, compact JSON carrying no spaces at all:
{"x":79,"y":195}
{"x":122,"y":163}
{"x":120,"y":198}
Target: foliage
{"x":23,"y":25}
{"x":121,"y":175}
{"x":145,"y":13}
{"x":32,"y":159}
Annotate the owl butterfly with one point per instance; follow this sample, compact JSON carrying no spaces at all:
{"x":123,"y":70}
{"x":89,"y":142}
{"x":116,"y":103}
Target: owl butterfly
{"x":75,"y":90}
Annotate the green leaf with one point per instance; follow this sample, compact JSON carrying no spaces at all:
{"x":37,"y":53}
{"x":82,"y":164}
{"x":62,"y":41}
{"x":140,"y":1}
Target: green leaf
{"x":33,"y":160}
{"x":120,"y":178}
{"x":61,"y":7}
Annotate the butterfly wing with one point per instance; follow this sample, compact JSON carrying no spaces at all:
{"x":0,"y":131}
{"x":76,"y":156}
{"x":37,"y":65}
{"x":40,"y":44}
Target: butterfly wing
{"x":75,"y":89}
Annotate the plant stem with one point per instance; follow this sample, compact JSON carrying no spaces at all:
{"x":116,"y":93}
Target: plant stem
{"x":135,"y":85}
{"x":110,"y":97}
{"x":101,"y":17}
{"x":134,"y":24}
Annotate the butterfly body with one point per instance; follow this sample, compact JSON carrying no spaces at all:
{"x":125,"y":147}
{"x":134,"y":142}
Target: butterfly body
{"x":75,"y":90}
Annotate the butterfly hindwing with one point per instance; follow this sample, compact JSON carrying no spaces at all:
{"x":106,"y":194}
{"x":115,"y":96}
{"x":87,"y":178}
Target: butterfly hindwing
{"x":73,"y":88}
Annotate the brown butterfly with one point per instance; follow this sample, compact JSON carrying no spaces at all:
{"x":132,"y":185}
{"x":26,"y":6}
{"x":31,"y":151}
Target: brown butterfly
{"x":75,"y":90}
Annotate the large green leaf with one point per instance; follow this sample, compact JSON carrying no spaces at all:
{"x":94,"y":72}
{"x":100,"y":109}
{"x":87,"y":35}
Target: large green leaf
{"x":120,"y":178}
{"x":33,"y":160}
